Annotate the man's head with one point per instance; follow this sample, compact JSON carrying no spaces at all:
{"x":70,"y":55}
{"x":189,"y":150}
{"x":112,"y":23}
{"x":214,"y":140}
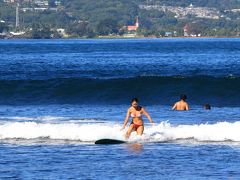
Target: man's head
{"x":183,"y":97}
{"x":207,"y":106}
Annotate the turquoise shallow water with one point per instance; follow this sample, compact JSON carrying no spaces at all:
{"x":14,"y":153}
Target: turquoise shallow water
{"x":58,"y":97}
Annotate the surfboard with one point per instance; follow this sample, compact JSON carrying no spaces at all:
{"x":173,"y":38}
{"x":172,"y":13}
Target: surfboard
{"x":109,"y":141}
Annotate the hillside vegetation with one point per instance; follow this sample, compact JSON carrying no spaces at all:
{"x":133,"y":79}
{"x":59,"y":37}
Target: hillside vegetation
{"x":91,"y":18}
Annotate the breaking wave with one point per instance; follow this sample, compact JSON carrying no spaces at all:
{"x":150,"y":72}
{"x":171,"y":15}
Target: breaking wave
{"x":163,"y":132}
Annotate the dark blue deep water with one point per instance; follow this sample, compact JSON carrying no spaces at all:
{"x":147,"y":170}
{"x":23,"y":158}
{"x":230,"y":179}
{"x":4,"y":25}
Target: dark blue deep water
{"x":57,"y":97}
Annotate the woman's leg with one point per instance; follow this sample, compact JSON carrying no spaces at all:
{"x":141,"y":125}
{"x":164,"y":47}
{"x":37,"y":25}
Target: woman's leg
{"x":130,"y":129}
{"x":140,"y":130}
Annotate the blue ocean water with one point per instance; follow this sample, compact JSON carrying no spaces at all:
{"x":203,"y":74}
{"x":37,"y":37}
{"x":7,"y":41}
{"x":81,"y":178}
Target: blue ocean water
{"x":57,"y":97}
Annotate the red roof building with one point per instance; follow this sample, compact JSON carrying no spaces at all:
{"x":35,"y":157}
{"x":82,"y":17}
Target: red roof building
{"x":134,"y":27}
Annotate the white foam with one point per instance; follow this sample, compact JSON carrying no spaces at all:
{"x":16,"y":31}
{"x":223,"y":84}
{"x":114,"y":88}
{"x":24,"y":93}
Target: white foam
{"x":67,"y":131}
{"x":219,"y":132}
{"x":16,"y":118}
{"x":51,"y":119}
{"x":88,"y":132}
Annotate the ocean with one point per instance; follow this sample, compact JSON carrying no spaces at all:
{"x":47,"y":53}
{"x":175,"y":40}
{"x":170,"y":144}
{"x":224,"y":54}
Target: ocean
{"x":57,"y":97}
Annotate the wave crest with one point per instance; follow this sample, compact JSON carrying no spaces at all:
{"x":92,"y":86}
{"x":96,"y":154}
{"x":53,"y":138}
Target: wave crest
{"x":164,"y":132}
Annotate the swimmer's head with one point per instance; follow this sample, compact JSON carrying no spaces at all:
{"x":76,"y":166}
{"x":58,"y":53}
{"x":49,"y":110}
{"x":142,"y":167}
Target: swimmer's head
{"x":207,"y":106}
{"x":183,"y":97}
{"x":134,"y":102}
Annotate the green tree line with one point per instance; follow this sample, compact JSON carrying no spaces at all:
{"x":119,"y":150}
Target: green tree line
{"x":91,"y":18}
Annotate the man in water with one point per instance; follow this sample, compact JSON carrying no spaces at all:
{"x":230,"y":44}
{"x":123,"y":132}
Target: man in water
{"x":181,"y":105}
{"x":207,"y":107}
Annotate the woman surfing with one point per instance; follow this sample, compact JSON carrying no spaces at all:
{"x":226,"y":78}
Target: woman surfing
{"x":136,"y":112}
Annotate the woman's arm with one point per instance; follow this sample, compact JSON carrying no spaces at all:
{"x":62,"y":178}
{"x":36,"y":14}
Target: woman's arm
{"x":126,"y":119}
{"x":174,"y":106}
{"x":147,"y":115}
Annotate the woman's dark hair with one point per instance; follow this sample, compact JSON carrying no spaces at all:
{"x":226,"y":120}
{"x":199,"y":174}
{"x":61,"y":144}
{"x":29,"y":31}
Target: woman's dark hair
{"x":138,"y":108}
{"x":134,"y":100}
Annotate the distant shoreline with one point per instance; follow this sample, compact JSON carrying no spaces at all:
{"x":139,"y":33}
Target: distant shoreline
{"x":123,"y":38}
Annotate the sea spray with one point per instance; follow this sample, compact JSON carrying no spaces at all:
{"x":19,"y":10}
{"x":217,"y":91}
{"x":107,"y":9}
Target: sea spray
{"x":163,"y":132}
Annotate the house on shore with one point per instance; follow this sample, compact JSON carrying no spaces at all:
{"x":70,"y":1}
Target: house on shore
{"x":133,"y":27}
